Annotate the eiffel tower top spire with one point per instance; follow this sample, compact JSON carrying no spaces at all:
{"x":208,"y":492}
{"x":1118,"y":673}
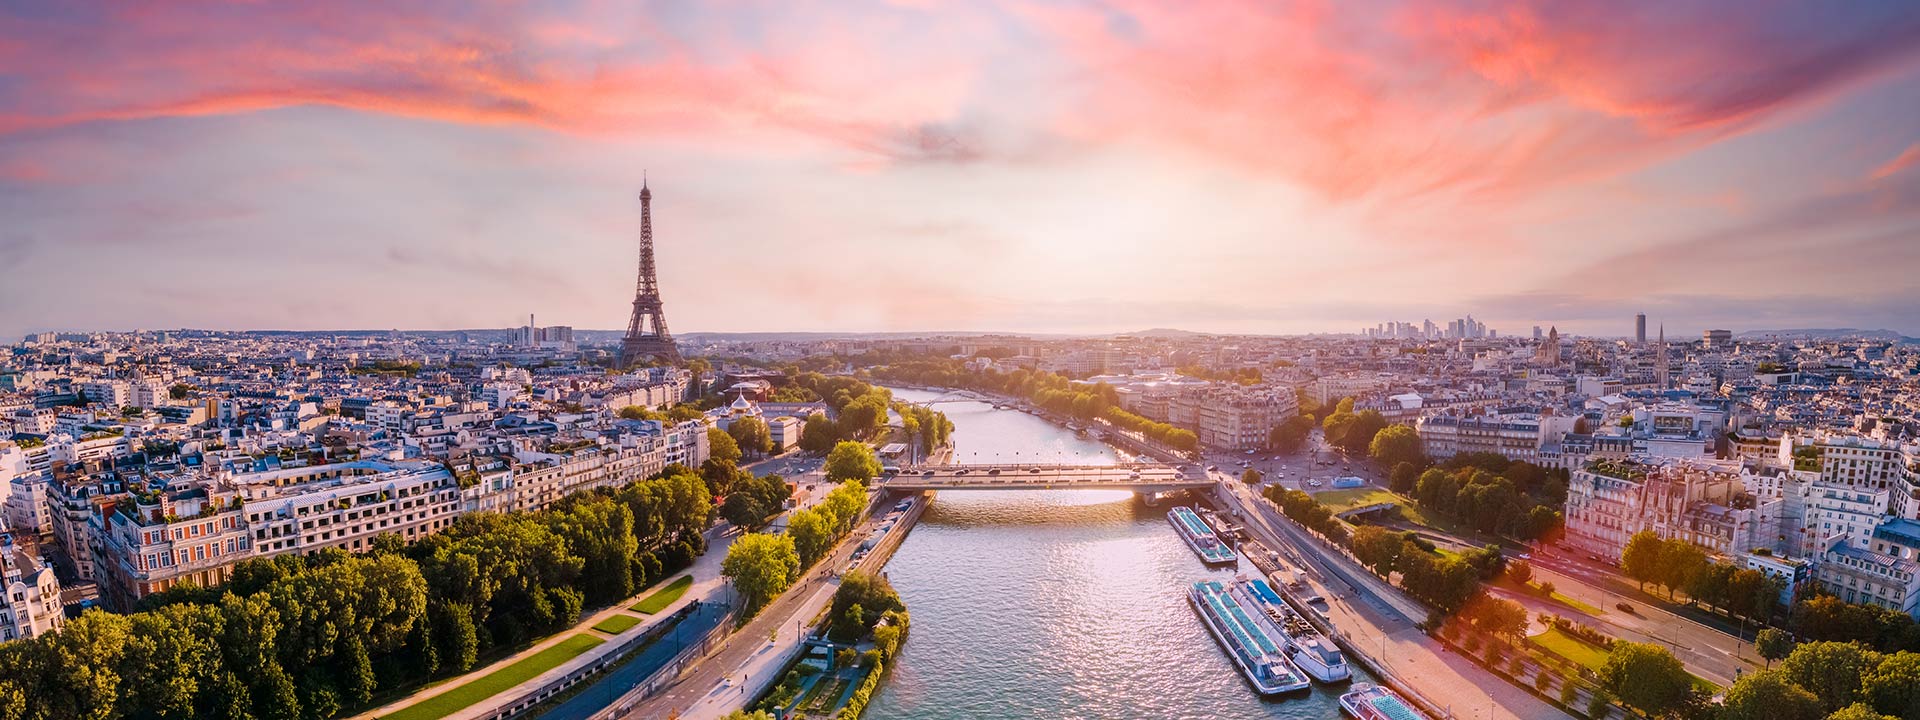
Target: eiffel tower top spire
{"x":647,"y":335}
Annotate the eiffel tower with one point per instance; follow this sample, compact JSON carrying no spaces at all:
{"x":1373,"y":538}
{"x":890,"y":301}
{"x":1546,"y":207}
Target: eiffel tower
{"x":647,"y":335}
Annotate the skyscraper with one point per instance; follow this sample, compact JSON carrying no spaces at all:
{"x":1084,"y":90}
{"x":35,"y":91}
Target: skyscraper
{"x":1640,"y":329}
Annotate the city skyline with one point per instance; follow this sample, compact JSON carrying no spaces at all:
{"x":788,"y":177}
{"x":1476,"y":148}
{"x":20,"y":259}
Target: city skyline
{"x":1058,"y":168}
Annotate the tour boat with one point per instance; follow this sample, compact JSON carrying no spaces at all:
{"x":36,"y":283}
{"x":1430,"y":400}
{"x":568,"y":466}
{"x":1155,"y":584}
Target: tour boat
{"x":1200,"y":537}
{"x":1257,"y":654}
{"x":1377,"y":702}
{"x":1309,"y":650}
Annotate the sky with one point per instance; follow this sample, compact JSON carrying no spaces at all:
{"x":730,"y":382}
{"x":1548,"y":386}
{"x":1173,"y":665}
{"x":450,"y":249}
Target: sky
{"x":1020,"y":165}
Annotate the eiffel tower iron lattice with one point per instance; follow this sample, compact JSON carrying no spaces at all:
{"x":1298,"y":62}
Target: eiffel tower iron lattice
{"x":647,"y":335}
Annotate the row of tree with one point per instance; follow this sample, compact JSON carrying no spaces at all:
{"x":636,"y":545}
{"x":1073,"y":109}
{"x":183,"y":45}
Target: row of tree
{"x":315,"y":636}
{"x":1678,"y":565}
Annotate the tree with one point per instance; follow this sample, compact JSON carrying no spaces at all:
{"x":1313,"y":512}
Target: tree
{"x":638,"y":412}
{"x":1358,"y":434}
{"x":819,"y":434}
{"x":1641,"y":559}
{"x":1520,"y":571}
{"x":858,"y":603}
{"x":1377,"y":548}
{"x":1859,"y":711}
{"x":1832,"y":671}
{"x":851,"y":460}
{"x":1680,"y":562}
{"x":1250,"y":476}
{"x":1646,"y":677}
{"x":1289,"y":436}
{"x":761,"y":567}
{"x":752,"y":435}
{"x":722,"y":447}
{"x":812,"y":533}
{"x":1772,"y":644}
{"x":1768,"y":695}
{"x":1403,"y":478}
{"x":1893,"y":687}
{"x":1397,"y":444}
{"x":1496,"y":616}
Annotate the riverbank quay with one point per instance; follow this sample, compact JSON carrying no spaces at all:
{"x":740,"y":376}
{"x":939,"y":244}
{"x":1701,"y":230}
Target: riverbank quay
{"x":771,"y":664}
{"x":1380,"y":628}
{"x":746,"y":662}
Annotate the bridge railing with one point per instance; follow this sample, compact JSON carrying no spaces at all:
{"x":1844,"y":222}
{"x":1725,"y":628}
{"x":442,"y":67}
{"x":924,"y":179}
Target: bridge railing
{"x":948,"y":467}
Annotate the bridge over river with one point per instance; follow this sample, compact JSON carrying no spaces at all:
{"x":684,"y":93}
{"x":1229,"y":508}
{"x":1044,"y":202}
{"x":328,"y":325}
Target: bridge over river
{"x":1139,"y":477}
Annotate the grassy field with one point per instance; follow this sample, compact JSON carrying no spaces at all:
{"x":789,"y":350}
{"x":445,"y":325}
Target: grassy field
{"x":1572,"y":648}
{"x":616,"y":624}
{"x":493,"y":683}
{"x":659,"y":599}
{"x":1340,"y":501}
{"x":1589,"y":656}
{"x":1344,"y":500}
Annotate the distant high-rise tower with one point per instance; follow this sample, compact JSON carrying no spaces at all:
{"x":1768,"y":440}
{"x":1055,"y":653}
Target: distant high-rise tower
{"x":1640,"y":329}
{"x":1660,"y":369}
{"x":647,"y":335}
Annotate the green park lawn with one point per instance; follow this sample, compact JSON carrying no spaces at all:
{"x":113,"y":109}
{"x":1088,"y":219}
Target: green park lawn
{"x":1589,"y":656}
{"x":1572,"y":648}
{"x":493,"y":683}
{"x":1343,"y":500}
{"x":659,"y":599}
{"x":616,"y":624}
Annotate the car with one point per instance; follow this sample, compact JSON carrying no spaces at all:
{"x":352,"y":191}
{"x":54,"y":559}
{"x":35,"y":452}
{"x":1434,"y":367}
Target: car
{"x":962,"y":471}
{"x":1313,"y":483}
{"x":1033,"y":471}
{"x":928,"y":473}
{"x":1249,"y":452}
{"x":995,"y":471}
{"x":1526,"y":556}
{"x":1213,"y":468}
{"x":1625,"y":608}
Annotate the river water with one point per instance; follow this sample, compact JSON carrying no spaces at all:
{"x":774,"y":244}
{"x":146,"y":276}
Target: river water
{"x":1058,"y":603}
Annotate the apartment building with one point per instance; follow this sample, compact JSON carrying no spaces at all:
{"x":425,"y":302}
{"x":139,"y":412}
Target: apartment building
{"x":31,"y":606}
{"x":152,"y":540}
{"x":1516,"y":436}
{"x":1887,"y":573}
{"x":1703,"y":503}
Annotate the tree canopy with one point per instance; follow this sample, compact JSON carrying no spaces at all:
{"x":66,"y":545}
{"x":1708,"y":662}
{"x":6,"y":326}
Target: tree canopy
{"x":761,"y":567}
{"x":1646,"y":677}
{"x":852,"y":460}
{"x":1398,"y":444}
{"x":751,"y":435}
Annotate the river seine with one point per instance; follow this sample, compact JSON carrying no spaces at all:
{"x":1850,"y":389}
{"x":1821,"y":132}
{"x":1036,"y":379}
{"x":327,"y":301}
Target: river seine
{"x":1056,"y":604}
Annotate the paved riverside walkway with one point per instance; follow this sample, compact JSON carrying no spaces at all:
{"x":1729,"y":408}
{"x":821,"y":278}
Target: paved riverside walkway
{"x":1380,"y":621}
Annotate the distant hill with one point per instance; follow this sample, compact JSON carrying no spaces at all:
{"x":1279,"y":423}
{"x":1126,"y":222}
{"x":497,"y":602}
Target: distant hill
{"x":1830,"y":334}
{"x":1164,"y":333}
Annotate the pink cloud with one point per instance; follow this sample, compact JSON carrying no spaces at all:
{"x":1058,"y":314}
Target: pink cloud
{"x":612,"y":74}
{"x":1469,"y":99}
{"x":1900,"y":163}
